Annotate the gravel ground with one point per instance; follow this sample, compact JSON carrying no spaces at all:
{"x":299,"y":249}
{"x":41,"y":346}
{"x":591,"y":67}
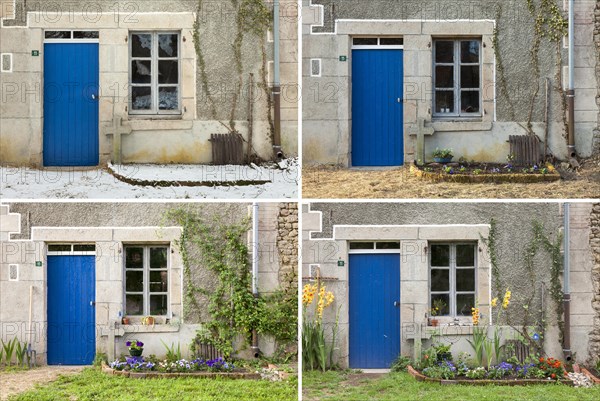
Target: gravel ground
{"x":326,"y":182}
{"x":15,"y":382}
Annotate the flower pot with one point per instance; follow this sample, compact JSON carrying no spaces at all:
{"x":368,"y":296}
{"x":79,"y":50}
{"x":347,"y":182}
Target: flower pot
{"x":135,"y":352}
{"x":442,"y":160}
{"x":125,"y":320}
{"x":434,"y":322}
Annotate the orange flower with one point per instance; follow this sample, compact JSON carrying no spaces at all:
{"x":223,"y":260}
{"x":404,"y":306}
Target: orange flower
{"x":542,"y":360}
{"x":553,"y":376}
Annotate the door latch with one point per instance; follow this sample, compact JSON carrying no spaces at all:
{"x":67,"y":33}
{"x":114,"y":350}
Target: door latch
{"x":92,"y":303}
{"x":396,"y":304}
{"x":400,"y":100}
{"x":93,"y":96}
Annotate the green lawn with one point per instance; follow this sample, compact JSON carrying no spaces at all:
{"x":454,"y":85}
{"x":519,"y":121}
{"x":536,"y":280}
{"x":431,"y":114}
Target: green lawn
{"x":93,"y":385}
{"x":344,"y":386}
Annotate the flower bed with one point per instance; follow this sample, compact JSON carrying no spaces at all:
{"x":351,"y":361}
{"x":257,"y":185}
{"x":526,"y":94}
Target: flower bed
{"x":138,"y":367}
{"x":545,"y":370}
{"x":482,"y":173}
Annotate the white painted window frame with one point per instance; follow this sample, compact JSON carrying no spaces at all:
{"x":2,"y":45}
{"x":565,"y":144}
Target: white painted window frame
{"x":146,"y":279}
{"x":71,"y":39}
{"x":452,"y":293}
{"x":378,"y":45}
{"x":154,"y":85}
{"x":72,"y":252}
{"x":457,"y":90}
{"x":10,"y":56}
{"x":374,"y":249}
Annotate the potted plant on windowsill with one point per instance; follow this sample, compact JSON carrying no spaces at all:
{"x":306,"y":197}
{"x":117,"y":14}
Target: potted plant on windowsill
{"x":436,"y":310}
{"x":136,"y":348}
{"x":443,"y":155}
{"x":148,"y":320}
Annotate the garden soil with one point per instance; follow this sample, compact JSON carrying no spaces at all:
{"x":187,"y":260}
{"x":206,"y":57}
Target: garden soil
{"x":14,"y":382}
{"x":325,"y":182}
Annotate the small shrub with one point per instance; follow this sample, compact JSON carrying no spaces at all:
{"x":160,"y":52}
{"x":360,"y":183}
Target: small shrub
{"x":477,"y":373}
{"x":477,"y":171}
{"x":499,"y":371}
{"x":443,"y":153}
{"x":400,"y":364}
{"x":99,"y":358}
{"x":526,"y":371}
{"x":552,"y":367}
{"x":444,"y":370}
{"x":173,"y":354}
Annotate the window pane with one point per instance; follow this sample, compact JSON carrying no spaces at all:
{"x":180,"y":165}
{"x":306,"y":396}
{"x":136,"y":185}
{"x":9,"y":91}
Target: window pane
{"x":158,"y":281}
{"x":167,"y":45}
{"x":365,"y":41}
{"x":464,"y":303}
{"x":158,"y":258}
{"x":465,"y":255}
{"x":134,"y":281}
{"x":440,"y":280}
{"x":134,"y":305}
{"x":444,"y":102}
{"x":158,"y":304}
{"x":444,"y":76}
{"x":469,"y":77}
{"x":469,"y":101}
{"x":141,"y":45}
{"x":59,"y":248}
{"x":134,"y":257}
{"x":440,"y":255}
{"x":57,"y":34}
{"x":141,"y":98}
{"x":469,"y":51}
{"x":361,"y":245}
{"x":168,"y":72}
{"x":85,"y":35}
{"x":388,"y":245}
{"x":167,"y":98}
{"x":84,"y":248}
{"x":141,"y":71}
{"x":444,"y":51}
{"x":391,"y":41}
{"x":465,"y":280}
{"x":446,"y":299}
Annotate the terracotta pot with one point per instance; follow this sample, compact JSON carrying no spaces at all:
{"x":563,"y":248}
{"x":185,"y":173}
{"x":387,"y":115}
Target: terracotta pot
{"x":434,"y":322}
{"x":125,"y":320}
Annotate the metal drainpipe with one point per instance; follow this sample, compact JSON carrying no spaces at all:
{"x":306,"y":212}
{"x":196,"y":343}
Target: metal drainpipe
{"x":571,"y":90}
{"x":566,"y":289}
{"x":276,"y":83}
{"x":254,"y":347}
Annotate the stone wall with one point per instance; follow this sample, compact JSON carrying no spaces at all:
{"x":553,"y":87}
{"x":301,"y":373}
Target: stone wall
{"x":596,"y":140}
{"x":594,"y":337}
{"x":287,"y":243}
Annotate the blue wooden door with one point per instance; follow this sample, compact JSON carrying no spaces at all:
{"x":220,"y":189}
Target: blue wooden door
{"x":71,"y":104}
{"x":374,"y":284}
{"x":71,"y":310}
{"x":377,"y":113}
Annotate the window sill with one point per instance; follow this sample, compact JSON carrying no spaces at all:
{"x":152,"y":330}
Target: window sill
{"x":458,"y":124}
{"x":157,"y":328}
{"x":159,"y":124}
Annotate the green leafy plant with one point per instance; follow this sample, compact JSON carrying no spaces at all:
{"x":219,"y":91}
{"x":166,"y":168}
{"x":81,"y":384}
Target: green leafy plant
{"x":99,"y":358}
{"x":400,"y":364}
{"x":9,"y":349}
{"x":1,"y":354}
{"x":444,"y":370}
{"x":443,"y":153}
{"x":20,"y":352}
{"x":479,"y":337}
{"x":438,"y":306}
{"x":315,"y":349}
{"x":173,"y":354}
{"x":477,"y":171}
{"x":477,"y":373}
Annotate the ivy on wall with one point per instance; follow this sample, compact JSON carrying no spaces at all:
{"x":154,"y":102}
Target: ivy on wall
{"x":539,"y":241}
{"x":253,"y":17}
{"x":233,"y":310}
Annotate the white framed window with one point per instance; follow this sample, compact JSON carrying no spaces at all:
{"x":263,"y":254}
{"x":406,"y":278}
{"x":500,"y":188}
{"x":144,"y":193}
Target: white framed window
{"x":372,"y":42}
{"x":457,"y":77}
{"x":315,"y":67}
{"x":6,"y":62}
{"x":71,"y":249}
{"x":146,"y":280}
{"x":154,"y":73}
{"x":374,"y":247}
{"x":452,"y":277}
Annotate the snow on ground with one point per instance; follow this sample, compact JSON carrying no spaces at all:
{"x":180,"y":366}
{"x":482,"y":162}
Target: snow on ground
{"x":77,"y":183}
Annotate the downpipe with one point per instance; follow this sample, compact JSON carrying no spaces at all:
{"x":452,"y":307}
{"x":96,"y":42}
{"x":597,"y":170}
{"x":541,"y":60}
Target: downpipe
{"x":571,"y":91}
{"x":276,"y":83}
{"x":255,"y":212}
{"x":566,"y":288}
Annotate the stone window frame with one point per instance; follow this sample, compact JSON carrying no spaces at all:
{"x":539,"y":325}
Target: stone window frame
{"x":146,"y":293}
{"x":452,"y":268}
{"x":457,"y":89}
{"x":154,"y":84}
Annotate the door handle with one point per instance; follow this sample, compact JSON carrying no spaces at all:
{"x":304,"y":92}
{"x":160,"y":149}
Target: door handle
{"x":92,"y":303}
{"x":396,"y":304}
{"x":400,"y":100}
{"x":94,"y":97}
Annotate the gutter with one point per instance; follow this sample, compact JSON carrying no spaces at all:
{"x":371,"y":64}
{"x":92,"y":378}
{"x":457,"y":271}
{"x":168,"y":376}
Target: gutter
{"x":254,"y":347}
{"x":571,"y":89}
{"x":566,"y":288}
{"x":276,"y":83}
